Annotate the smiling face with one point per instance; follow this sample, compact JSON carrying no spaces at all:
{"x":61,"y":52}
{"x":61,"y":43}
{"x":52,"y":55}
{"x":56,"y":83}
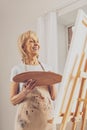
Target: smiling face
{"x":32,"y":46}
{"x":28,"y":46}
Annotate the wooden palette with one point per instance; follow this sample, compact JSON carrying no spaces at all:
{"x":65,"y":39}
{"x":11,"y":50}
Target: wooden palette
{"x":43,"y":78}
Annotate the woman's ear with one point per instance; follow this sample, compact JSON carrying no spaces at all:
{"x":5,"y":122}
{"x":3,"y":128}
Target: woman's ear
{"x":24,"y":49}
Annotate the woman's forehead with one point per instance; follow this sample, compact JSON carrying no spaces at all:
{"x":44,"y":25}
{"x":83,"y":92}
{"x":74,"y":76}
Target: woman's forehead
{"x":33,"y":37}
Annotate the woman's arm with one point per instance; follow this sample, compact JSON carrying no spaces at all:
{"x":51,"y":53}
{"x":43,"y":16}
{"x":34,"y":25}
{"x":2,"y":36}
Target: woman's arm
{"x":52,"y":91}
{"x":15,"y":96}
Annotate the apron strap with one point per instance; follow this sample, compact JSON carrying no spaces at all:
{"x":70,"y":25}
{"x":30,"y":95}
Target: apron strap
{"x":43,"y":68}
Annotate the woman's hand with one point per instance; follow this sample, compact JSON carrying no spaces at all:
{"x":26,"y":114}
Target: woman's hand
{"x":29,"y":85}
{"x":16,"y":97}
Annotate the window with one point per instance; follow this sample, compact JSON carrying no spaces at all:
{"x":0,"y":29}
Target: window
{"x":69,"y":35}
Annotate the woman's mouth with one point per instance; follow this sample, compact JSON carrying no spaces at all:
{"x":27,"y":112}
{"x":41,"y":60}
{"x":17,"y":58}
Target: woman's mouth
{"x":35,"y":48}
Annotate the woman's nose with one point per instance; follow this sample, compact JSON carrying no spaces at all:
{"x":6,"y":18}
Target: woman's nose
{"x":36,"y":44}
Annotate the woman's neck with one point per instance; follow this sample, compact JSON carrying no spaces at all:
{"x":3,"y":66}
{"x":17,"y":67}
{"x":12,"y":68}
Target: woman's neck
{"x":32,"y":61}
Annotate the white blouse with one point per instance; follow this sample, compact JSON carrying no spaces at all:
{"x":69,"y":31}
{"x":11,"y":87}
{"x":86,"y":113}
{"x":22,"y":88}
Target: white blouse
{"x":20,"y":68}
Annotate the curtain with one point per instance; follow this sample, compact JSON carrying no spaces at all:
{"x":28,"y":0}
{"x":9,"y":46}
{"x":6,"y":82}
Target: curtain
{"x":47,"y":30}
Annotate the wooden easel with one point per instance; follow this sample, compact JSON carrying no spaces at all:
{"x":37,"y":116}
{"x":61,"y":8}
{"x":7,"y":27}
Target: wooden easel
{"x":69,"y":105}
{"x":81,"y":73}
{"x":80,"y":99}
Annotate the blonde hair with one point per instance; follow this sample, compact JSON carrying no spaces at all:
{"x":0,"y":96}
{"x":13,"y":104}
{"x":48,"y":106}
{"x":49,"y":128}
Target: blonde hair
{"x":21,"y":42}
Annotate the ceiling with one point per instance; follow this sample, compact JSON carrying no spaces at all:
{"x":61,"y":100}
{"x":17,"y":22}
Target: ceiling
{"x":70,"y":17}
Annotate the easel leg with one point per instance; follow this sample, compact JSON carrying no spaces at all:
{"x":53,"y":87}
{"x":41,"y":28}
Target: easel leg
{"x":79,"y":97}
{"x":84,"y":113}
{"x":68,"y":108}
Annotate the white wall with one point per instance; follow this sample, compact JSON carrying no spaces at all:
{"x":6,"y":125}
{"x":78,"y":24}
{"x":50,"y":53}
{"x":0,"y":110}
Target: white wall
{"x":16,"y":17}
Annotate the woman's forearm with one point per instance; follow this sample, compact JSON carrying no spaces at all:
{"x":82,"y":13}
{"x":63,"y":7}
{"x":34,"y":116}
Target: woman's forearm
{"x":16,"y":99}
{"x":53,"y":92}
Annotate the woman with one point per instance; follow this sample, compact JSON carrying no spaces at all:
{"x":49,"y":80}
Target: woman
{"x":35,"y":107}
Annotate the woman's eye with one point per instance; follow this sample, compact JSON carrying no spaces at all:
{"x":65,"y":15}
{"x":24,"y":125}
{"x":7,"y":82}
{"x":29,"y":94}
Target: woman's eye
{"x":31,"y":41}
